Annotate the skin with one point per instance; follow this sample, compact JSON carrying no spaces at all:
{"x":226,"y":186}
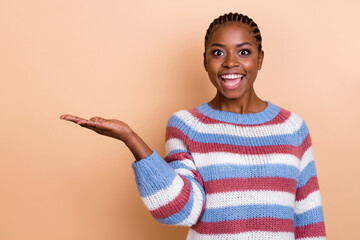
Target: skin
{"x":233,"y":49}
{"x":115,"y":129}
{"x":224,"y":55}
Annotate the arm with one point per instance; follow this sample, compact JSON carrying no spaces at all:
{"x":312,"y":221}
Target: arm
{"x":172,"y":189}
{"x":309,"y":217}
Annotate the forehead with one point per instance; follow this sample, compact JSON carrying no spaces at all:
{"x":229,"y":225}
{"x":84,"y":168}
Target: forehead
{"x":231,"y":33}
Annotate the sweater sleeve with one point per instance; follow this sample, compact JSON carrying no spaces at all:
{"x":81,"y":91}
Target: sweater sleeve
{"x":171,"y":188}
{"x":309,"y":217}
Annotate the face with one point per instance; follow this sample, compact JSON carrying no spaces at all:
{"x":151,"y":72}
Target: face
{"x":232,"y":60}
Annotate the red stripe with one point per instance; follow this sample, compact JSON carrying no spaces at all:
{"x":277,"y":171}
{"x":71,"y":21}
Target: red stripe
{"x":197,"y":147}
{"x":280,"y":118}
{"x":312,"y":230}
{"x":305,"y":145}
{"x":312,"y":185}
{"x":173,"y":132}
{"x":175,"y":205}
{"x":243,"y":184}
{"x":197,"y":177}
{"x":245,"y":225}
{"x":177,"y":156}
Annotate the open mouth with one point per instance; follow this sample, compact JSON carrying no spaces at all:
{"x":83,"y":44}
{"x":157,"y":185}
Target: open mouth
{"x":231,"y":81}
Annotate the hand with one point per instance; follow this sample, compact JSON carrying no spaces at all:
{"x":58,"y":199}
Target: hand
{"x":107,"y":127}
{"x":116,"y":129}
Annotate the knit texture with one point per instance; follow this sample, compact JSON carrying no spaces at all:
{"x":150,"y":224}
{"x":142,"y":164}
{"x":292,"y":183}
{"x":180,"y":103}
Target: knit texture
{"x":235,"y":176}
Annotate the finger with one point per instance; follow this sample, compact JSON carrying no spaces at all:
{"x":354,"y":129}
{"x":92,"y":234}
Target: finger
{"x":97,"y":119}
{"x":91,"y":128}
{"x":95,"y":126}
{"x":71,"y":118}
{"x":91,"y":124}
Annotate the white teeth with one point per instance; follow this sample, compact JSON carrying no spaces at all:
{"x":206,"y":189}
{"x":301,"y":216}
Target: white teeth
{"x":231,"y":76}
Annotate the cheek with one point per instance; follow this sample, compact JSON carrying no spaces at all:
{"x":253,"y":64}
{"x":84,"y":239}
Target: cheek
{"x":213,"y":67}
{"x":212,"y":77}
{"x":251,"y":65}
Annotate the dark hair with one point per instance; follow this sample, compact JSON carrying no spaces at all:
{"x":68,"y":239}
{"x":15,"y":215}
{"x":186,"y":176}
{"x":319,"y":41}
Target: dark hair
{"x":235,"y":17}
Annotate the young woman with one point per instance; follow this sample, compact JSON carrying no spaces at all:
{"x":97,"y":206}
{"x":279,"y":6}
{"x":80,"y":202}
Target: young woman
{"x":237,"y":167}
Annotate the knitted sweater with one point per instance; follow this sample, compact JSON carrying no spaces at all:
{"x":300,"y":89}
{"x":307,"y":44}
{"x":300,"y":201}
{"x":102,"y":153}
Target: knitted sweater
{"x":235,"y":176}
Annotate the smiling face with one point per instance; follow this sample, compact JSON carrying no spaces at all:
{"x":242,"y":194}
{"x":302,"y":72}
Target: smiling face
{"x":232,"y":60}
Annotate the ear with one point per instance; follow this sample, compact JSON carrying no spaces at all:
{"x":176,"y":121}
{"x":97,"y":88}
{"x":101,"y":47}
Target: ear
{"x":261,"y":59}
{"x":205,"y":61}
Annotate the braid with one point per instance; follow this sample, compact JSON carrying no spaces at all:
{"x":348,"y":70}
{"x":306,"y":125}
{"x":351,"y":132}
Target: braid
{"x":236,"y":17}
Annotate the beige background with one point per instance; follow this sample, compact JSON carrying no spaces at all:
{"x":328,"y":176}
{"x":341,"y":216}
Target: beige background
{"x":140,"y":62}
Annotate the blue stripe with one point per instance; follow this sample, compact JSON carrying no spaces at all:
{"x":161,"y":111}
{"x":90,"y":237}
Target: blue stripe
{"x":314,"y":215}
{"x":266,"y":115}
{"x":182,"y":215}
{"x":179,"y":164}
{"x":215,"y":172}
{"x":294,"y":139}
{"x":147,"y":176}
{"x":177,"y":122}
{"x":177,"y":151}
{"x":147,"y":189}
{"x":308,"y":172}
{"x":247,"y":212}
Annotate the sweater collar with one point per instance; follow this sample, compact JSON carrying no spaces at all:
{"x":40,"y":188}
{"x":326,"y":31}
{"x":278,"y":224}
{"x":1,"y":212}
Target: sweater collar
{"x":238,"y":118}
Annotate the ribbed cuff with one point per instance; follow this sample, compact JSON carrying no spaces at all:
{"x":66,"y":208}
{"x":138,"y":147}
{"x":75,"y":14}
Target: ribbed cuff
{"x":152,"y":174}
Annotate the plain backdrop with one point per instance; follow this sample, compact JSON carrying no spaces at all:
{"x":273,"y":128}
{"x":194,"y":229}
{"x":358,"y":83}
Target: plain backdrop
{"x":140,"y":61}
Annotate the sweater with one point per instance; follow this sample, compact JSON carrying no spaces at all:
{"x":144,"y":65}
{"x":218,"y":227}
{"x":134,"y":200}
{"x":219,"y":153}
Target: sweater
{"x":235,"y":176}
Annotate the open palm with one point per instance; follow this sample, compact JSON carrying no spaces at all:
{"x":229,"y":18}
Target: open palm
{"x":116,"y":129}
{"x":107,"y":127}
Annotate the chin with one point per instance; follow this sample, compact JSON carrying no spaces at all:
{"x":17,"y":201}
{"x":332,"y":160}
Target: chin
{"x":233,"y":96}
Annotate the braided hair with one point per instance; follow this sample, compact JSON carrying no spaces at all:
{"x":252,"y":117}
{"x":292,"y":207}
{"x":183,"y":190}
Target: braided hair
{"x":235,"y":17}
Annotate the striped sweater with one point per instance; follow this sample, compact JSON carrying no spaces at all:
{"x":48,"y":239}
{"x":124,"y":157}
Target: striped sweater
{"x":235,"y":176}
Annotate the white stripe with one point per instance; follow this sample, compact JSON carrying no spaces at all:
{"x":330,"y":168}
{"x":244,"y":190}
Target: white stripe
{"x":164,"y":196}
{"x":184,"y":172}
{"x":290,"y":126}
{"x":240,"y":198}
{"x":196,"y":207}
{"x":255,"y":235}
{"x":313,"y":200}
{"x":189,"y":163}
{"x":306,"y":158}
{"x":220,"y":158}
{"x":175,"y":144}
{"x":313,"y":238}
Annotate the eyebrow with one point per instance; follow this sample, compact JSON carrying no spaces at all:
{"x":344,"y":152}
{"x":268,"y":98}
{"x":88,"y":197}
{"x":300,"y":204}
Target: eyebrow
{"x":238,"y":45}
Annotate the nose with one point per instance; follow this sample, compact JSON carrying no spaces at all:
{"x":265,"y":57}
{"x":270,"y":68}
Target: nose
{"x":231,"y":61}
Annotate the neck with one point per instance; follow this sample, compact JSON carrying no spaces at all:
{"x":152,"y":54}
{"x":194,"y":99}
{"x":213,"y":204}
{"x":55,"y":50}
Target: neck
{"x":246,"y":104}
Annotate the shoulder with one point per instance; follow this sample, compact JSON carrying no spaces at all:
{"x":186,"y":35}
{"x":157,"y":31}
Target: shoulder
{"x":185,"y":121}
{"x":292,"y":120}
{"x":189,"y":117}
{"x":297,"y":127}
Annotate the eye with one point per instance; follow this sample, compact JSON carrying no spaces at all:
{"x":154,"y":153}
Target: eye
{"x":244,"y":52}
{"x":217,"y":52}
